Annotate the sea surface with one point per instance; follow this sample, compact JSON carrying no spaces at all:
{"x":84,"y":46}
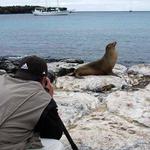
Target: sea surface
{"x":80,"y":35}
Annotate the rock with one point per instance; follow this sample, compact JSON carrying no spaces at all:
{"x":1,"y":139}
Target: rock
{"x":112,"y":120}
{"x":9,"y":63}
{"x":58,"y":66}
{"x":89,"y":83}
{"x":101,"y":112}
{"x":136,"y":83}
{"x":65,"y":60}
{"x":131,"y":131}
{"x":134,"y":106}
{"x":95,"y":133}
{"x":143,"y":69}
{"x":69,"y":60}
{"x":141,"y":82}
{"x":74,"y":105}
{"x":50,"y":60}
{"x":67,"y":64}
{"x":107,"y":88}
{"x":64,"y":71}
{"x":8,"y":66}
{"x":2,"y":72}
{"x":119,"y":69}
{"x":138,"y":145}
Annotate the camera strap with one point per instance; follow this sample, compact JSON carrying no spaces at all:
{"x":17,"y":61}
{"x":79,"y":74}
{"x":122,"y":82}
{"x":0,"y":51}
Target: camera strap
{"x":73,"y":145}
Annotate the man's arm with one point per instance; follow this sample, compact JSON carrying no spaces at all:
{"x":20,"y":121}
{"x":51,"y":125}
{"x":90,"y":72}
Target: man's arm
{"x":48,"y":125}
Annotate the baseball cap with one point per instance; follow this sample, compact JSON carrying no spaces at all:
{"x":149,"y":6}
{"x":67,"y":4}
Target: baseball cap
{"x":32,"y":68}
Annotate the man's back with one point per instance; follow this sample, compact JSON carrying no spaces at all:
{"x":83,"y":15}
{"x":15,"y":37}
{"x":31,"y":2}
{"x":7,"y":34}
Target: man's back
{"x":21,"y":105}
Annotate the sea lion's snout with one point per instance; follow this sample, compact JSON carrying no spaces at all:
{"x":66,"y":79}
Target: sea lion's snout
{"x":111,"y":45}
{"x":114,"y":43}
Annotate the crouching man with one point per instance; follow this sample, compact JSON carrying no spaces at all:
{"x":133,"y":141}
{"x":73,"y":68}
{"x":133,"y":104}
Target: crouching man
{"x":28,"y":112}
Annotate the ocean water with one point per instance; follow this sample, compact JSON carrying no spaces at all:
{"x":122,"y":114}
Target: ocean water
{"x":81,"y":35}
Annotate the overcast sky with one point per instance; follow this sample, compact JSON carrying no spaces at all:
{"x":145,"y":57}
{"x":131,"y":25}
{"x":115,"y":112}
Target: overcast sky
{"x":93,"y":5}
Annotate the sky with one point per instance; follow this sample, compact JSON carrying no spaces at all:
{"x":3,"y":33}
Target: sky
{"x":86,"y":5}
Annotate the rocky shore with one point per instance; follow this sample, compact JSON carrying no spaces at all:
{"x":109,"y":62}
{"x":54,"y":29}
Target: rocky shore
{"x":100,"y":112}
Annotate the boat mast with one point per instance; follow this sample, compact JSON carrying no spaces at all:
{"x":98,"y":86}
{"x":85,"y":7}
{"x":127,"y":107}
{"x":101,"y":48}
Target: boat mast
{"x":57,"y":3}
{"x":46,"y":4}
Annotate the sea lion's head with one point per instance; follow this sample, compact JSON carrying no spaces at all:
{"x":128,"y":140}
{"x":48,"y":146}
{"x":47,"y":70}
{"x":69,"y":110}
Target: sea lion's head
{"x":111,"y":46}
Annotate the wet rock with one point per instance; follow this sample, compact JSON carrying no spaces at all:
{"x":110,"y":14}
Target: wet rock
{"x":64,"y":71}
{"x":50,"y":60}
{"x":8,"y":66}
{"x":66,"y":60}
{"x":69,"y":60}
{"x":9,"y":63}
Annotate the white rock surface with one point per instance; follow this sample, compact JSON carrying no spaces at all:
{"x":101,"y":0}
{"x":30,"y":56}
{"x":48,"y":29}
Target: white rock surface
{"x":131,"y":105}
{"x":88,"y":83}
{"x":116,"y":120}
{"x":2,"y":71}
{"x":143,"y":69}
{"x":74,"y":105}
{"x":119,"y":69}
{"x":105,"y":131}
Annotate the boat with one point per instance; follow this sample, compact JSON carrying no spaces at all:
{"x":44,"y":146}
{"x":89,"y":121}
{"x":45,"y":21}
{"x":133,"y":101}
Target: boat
{"x":50,"y":11}
{"x":41,"y":11}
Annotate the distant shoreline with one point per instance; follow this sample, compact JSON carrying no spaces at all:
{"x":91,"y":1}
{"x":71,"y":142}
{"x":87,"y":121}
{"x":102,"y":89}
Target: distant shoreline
{"x":20,"y":9}
{"x":28,"y":10}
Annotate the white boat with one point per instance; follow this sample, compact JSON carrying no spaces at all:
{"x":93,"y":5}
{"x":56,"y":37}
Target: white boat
{"x":51,"y":11}
{"x":55,"y":11}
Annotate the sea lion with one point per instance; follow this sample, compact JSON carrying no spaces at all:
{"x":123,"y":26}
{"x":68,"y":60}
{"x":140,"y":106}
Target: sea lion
{"x":102,"y":66}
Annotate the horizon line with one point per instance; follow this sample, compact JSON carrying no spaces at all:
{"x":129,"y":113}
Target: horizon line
{"x":73,"y":8}
{"x":78,"y":10}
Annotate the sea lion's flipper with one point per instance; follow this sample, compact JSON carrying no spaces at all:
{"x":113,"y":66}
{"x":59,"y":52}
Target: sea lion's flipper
{"x":78,"y":76}
{"x":75,"y":75}
{"x":114,"y":74}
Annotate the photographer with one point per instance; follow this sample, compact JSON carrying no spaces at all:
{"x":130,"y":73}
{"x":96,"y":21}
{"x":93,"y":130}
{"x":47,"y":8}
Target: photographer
{"x":27,"y":109}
